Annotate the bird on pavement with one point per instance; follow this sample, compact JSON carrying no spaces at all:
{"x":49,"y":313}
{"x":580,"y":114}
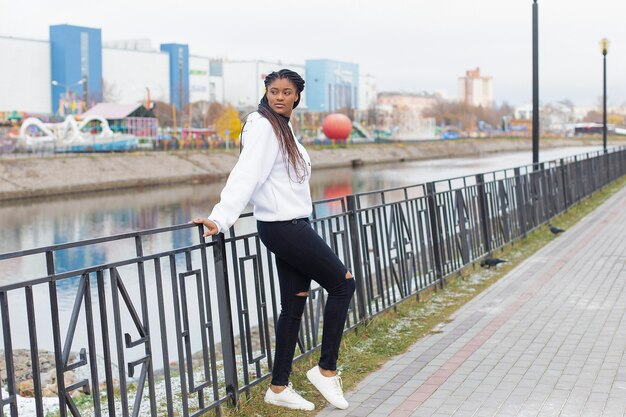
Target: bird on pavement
{"x":489,"y":262}
{"x":555,"y":230}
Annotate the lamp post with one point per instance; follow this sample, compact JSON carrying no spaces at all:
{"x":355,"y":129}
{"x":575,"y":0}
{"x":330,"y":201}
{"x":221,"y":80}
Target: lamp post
{"x":604,"y":45}
{"x":535,"y":86}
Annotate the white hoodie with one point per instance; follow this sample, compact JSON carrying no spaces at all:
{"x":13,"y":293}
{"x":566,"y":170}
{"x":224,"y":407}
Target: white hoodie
{"x":261,"y":177}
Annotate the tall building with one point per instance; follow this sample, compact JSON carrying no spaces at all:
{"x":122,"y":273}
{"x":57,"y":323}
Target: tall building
{"x":331,"y":85}
{"x":179,"y":73}
{"x":476,"y":90}
{"x":76,"y":65}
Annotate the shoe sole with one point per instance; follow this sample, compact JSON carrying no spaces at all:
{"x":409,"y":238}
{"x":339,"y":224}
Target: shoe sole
{"x":279,"y":404}
{"x":323,"y":395}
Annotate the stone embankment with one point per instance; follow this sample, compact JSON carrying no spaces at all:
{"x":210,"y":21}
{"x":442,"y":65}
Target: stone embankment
{"x":24,"y":376}
{"x":32,"y":176}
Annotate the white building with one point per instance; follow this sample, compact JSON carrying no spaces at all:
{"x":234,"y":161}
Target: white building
{"x":554,"y":117}
{"x":476,"y":90}
{"x":367,"y":92}
{"x":199,"y":79}
{"x":402,"y":115}
{"x":243,"y":81}
{"x":25,"y":75}
{"x":128,"y":75}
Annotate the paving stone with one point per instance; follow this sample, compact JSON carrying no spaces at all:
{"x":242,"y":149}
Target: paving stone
{"x":547,"y":340}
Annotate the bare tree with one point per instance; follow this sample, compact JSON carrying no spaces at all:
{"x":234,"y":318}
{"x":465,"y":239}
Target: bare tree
{"x":110,"y":93}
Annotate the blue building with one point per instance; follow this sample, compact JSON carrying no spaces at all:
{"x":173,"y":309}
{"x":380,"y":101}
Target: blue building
{"x":76,"y":65}
{"x":179,"y":73}
{"x":331,"y":85}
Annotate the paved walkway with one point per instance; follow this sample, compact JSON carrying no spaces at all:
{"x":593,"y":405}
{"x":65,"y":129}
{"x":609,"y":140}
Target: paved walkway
{"x":549,"y":339}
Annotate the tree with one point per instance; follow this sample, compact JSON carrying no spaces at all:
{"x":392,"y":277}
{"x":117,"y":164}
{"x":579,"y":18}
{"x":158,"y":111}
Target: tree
{"x":228,"y":124}
{"x":214,"y":111}
{"x":110,"y":93}
{"x":164,"y":113}
{"x":596,"y":116}
{"x":465,"y":116}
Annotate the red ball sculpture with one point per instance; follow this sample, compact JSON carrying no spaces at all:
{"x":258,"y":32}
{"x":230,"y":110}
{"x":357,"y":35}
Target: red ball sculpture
{"x":337,"y":126}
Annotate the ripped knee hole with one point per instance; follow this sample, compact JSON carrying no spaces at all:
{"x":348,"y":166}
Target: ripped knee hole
{"x":302,"y":294}
{"x":349,"y":275}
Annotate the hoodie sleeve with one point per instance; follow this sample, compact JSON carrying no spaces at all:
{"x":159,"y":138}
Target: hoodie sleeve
{"x":255,"y":163}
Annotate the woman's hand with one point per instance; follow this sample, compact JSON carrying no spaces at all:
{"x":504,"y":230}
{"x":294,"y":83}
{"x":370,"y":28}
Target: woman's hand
{"x":208,"y":224}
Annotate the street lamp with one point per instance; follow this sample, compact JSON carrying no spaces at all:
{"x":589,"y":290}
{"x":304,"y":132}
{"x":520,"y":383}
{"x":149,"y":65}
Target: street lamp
{"x":68,"y":86}
{"x":604,"y":45}
{"x":535,"y":85}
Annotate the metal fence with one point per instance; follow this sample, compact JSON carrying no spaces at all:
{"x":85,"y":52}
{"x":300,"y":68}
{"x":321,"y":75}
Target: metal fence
{"x":181,"y":330}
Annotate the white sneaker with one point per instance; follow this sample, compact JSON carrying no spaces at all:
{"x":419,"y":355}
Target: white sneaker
{"x":330,"y":387}
{"x":288,"y":398}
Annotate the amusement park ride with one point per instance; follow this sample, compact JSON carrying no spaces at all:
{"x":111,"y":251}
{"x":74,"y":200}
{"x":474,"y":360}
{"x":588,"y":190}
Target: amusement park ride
{"x":73,"y":136}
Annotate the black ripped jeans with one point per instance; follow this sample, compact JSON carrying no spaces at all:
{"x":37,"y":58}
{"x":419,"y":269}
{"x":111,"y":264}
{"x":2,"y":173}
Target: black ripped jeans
{"x":302,"y":256}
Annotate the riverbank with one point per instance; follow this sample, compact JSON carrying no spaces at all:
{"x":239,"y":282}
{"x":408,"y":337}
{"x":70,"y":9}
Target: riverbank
{"x":34,"y":177}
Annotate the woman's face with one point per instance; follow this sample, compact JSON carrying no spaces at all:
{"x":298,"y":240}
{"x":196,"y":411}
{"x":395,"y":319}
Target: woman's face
{"x":281,"y":94}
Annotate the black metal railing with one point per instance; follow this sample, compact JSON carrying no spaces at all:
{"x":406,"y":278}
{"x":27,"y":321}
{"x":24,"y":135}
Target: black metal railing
{"x":179,"y":328}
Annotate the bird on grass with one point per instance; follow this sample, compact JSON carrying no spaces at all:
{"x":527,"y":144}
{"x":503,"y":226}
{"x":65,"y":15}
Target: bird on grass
{"x":489,"y":262}
{"x":555,"y":230}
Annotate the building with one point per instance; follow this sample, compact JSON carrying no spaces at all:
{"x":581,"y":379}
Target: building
{"x":125,"y":78}
{"x":476,"y":90}
{"x":332,"y":85}
{"x":25,"y":85}
{"x":133,"y":119}
{"x":367,"y":93}
{"x":401,"y":115}
{"x":75,"y":69}
{"x":556,"y":117}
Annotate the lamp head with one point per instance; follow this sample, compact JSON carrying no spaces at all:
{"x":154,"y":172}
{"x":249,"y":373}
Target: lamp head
{"x":604,"y":46}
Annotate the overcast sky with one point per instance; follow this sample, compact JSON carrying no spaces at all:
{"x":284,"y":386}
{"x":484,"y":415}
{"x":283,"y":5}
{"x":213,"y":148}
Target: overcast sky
{"x":407,"y":45}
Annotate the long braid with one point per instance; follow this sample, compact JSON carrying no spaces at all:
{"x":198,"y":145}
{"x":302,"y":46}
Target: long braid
{"x":287,"y":143}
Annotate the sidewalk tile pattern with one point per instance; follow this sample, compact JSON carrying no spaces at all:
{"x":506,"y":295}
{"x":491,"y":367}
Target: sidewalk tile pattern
{"x":547,"y":340}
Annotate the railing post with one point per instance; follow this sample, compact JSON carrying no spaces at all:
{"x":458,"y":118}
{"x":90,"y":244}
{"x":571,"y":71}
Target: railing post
{"x":607,"y":167}
{"x":482,"y":207}
{"x":11,"y":401}
{"x":226,"y":319}
{"x":564,"y":183}
{"x":433,"y":214}
{"x":545,"y":192}
{"x":521,"y":202}
{"x":460,"y":209}
{"x":357,"y":262}
{"x":577,"y":180}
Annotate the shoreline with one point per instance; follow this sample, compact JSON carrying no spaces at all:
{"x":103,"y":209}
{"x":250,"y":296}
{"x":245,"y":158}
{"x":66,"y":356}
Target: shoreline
{"x":37,"y":177}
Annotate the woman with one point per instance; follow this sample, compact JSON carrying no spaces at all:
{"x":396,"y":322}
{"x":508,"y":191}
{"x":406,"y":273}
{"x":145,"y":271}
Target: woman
{"x":273,"y":173}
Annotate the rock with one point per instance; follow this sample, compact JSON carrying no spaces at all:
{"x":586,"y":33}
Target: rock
{"x":27,"y":388}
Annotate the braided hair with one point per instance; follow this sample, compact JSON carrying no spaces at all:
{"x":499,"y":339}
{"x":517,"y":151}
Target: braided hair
{"x":287,"y":143}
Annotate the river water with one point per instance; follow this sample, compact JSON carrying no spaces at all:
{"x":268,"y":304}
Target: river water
{"x":37,"y":223}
